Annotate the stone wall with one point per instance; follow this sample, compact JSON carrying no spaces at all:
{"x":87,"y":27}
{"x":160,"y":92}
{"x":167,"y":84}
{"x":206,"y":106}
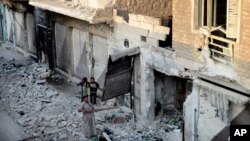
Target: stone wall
{"x":154,"y":8}
{"x":135,"y":28}
{"x":242,"y":51}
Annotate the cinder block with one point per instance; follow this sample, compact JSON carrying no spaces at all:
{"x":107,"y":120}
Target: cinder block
{"x":153,"y":42}
{"x":135,"y":24}
{"x":161,"y":29}
{"x":133,"y":17}
{"x":114,"y":12}
{"x":119,"y":19}
{"x":131,"y":29}
{"x":158,"y":36}
{"x":147,"y":26}
{"x":147,"y":19}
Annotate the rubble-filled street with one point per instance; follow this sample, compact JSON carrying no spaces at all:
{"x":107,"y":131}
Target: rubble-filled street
{"x":45,"y":106}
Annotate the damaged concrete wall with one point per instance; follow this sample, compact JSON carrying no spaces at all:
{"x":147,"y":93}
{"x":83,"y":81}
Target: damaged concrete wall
{"x":147,"y":94}
{"x":63,"y":47}
{"x":31,"y":33}
{"x":208,"y":110}
{"x":80,"y":50}
{"x":165,"y":90}
{"x":20,"y":30}
{"x":8,"y":16}
{"x":160,"y":8}
{"x":100,"y":55}
{"x":137,"y":86}
{"x":159,"y":59}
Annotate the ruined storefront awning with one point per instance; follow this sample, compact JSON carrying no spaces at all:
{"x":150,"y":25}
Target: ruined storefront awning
{"x":119,"y":73}
{"x":85,"y":13}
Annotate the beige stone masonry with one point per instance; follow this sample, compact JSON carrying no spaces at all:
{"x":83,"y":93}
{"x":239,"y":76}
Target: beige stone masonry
{"x":153,"y":42}
{"x":135,"y":24}
{"x":131,"y":29}
{"x":133,"y":17}
{"x":161,"y":29}
{"x":159,"y":36}
{"x":119,"y":19}
{"x":147,"y":26}
{"x":147,"y":19}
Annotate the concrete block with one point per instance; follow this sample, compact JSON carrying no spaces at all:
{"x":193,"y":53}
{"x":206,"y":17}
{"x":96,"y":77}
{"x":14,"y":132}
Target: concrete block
{"x":133,"y":30}
{"x":135,"y":24}
{"x":147,"y":26}
{"x":161,"y":29}
{"x":153,"y":42}
{"x":114,"y":12}
{"x":133,"y":17}
{"x":158,"y":36}
{"x":151,"y":20}
{"x":119,"y":19}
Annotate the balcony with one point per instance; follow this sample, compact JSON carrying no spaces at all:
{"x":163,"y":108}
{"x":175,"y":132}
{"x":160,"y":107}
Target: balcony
{"x":222,"y":49}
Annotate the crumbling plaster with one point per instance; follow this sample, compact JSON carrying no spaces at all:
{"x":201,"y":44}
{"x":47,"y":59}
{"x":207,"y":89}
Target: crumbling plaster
{"x":152,"y":58}
{"x":215,"y":109}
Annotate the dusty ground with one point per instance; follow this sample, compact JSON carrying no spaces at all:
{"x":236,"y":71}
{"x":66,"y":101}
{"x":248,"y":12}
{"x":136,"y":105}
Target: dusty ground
{"x":44,"y":106}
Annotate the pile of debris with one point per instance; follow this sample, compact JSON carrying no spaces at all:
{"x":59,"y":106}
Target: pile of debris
{"x":47,"y":113}
{"x":34,"y":104}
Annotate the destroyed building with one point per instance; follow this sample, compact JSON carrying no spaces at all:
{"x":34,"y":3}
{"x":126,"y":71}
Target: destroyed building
{"x":191,"y":54}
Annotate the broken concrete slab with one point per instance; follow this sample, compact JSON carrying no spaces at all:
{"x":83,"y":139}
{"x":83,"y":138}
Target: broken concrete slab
{"x":41,"y":81}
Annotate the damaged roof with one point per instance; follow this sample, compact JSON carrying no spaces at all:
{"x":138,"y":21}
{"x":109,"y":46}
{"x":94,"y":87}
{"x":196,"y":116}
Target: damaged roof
{"x":85,"y":13}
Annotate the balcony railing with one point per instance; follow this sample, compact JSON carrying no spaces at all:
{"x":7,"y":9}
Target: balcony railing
{"x":222,"y":49}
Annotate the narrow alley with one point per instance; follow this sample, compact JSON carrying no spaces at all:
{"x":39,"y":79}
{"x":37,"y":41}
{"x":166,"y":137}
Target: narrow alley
{"x":124,"y":70}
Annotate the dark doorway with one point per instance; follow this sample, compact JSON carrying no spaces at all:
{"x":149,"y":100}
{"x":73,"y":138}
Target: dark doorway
{"x":44,"y":46}
{"x":170,"y":93}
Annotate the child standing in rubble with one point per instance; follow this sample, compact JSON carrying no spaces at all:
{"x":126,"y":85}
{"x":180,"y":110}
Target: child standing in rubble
{"x":84,"y":87}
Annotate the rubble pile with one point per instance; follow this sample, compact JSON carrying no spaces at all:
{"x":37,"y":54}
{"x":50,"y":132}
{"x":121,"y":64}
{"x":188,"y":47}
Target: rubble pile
{"x":34,"y":104}
{"x":163,"y":129}
{"x":48,"y":113}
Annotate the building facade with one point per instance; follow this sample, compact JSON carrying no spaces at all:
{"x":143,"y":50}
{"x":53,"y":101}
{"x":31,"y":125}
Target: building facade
{"x":192,"y":54}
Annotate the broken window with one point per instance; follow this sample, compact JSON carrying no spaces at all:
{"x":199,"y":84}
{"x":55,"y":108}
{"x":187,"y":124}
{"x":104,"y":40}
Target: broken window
{"x":220,"y":15}
{"x":222,"y":18}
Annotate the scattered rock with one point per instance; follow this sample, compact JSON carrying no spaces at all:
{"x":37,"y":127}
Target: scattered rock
{"x":63,"y":136}
{"x":44,"y":75}
{"x":38,"y":106}
{"x":41,"y":81}
{"x":50,"y":93}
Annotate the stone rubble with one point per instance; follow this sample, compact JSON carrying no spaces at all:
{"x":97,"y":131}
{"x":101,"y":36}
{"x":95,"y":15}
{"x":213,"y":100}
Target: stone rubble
{"x":47,"y":113}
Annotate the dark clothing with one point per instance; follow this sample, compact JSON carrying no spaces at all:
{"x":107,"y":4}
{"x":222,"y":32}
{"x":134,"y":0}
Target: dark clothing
{"x":93,"y":98}
{"x":84,"y":89}
{"x":93,"y":89}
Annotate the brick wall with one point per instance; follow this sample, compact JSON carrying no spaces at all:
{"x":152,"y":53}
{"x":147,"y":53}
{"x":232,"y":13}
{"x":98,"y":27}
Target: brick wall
{"x":242,"y":51}
{"x":185,"y":41}
{"x":154,"y":8}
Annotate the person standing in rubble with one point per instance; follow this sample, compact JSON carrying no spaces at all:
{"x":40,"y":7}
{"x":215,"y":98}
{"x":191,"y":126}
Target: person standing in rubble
{"x":88,"y":118}
{"x":84,"y":87}
{"x":93,"y":90}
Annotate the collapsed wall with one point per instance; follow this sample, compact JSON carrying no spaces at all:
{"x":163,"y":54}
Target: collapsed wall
{"x":212,"y":108}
